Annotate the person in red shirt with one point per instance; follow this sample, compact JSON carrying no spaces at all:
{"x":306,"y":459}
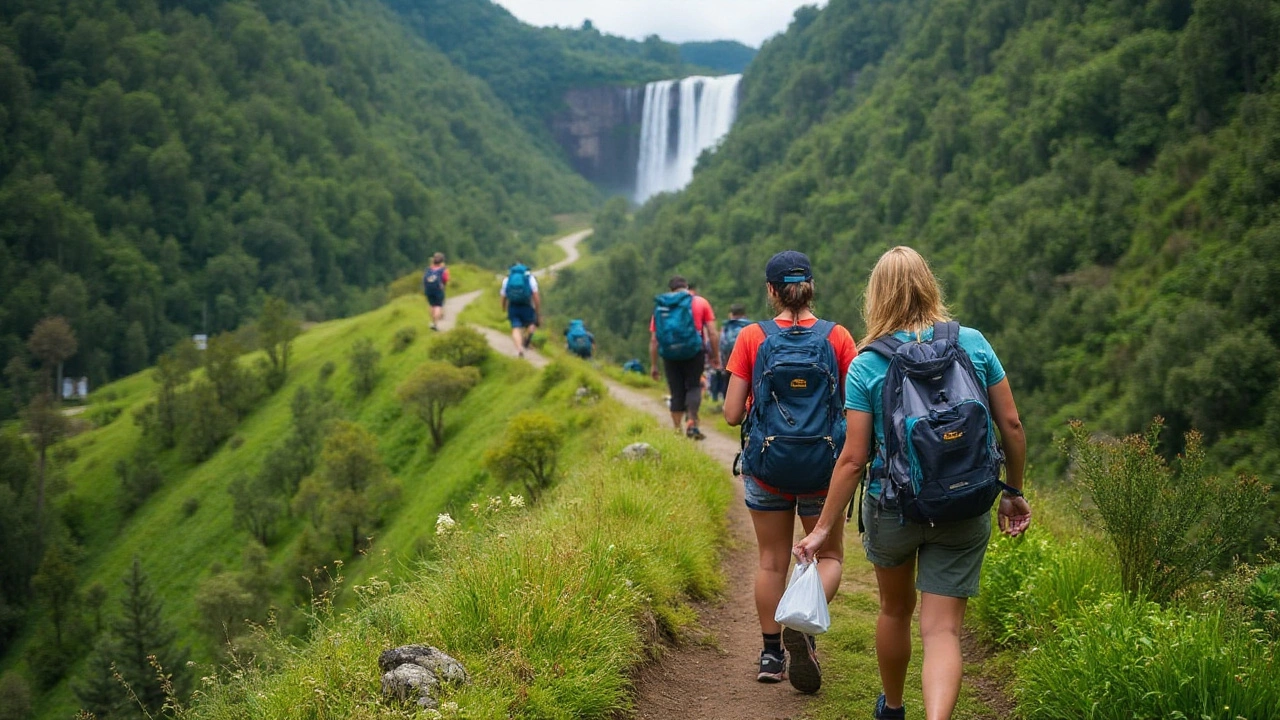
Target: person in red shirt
{"x":684,"y":377}
{"x":789,"y":283}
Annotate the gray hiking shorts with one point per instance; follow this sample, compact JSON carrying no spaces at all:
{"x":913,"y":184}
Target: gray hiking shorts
{"x":948,"y":556}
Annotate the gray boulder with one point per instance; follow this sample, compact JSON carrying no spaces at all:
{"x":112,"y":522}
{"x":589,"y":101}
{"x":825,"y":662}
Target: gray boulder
{"x":412,"y":673}
{"x":639,"y":451}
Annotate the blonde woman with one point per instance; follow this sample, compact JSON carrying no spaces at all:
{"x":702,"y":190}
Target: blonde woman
{"x":943,"y":561}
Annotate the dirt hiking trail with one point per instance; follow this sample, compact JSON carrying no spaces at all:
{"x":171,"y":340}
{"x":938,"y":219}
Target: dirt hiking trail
{"x":714,"y":676}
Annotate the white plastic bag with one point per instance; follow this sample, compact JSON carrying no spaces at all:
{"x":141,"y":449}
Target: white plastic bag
{"x":804,"y":605}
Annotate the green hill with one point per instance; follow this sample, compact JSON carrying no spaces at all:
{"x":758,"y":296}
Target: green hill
{"x":1093,"y":181}
{"x":164,"y":163}
{"x":187,"y":538}
{"x":726,"y":56}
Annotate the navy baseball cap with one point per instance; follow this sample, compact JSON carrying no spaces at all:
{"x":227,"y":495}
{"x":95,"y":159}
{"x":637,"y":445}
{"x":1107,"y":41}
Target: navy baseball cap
{"x":788,"y":266}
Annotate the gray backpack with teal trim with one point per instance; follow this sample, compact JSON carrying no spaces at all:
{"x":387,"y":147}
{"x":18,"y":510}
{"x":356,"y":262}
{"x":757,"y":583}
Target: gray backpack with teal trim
{"x":940,"y":461}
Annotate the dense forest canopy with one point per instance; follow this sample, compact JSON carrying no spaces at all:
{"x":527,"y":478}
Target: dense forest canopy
{"x":530,"y":68}
{"x":726,"y":56}
{"x":1095,"y":182}
{"x":162,"y":163}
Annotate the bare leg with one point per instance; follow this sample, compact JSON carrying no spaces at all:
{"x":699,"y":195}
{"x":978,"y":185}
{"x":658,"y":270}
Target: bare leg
{"x":773,"y":540}
{"x":941,"y":619}
{"x":677,"y":418}
{"x":893,"y":627}
{"x":517,"y":338}
{"x":830,"y":557}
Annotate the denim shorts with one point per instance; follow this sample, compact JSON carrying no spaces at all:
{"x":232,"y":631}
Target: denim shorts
{"x":759,"y":498}
{"x":948,"y":556}
{"x":521,"y":315}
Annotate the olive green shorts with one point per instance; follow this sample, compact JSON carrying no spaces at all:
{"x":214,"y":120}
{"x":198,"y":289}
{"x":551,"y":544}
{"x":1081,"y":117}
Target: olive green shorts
{"x":948,"y":556}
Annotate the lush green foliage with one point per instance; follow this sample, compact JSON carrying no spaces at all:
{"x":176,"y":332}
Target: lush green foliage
{"x":726,"y":56}
{"x":530,"y":68}
{"x":435,"y":387}
{"x":528,"y":452}
{"x":1167,"y":528}
{"x":163,"y":163}
{"x":1093,"y":181}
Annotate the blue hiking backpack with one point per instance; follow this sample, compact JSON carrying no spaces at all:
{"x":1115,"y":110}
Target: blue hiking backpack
{"x":678,"y":336}
{"x":729,"y":336}
{"x":433,"y":281}
{"x":940,"y":460}
{"x":796,"y":427}
{"x":519,"y":288}
{"x":578,"y":339}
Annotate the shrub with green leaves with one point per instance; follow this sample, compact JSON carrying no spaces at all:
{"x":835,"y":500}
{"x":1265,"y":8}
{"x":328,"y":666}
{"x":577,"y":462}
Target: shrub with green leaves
{"x":404,"y":337}
{"x":529,"y":452}
{"x":461,"y":347}
{"x":433,"y":388}
{"x":364,"y":359}
{"x":1167,"y":527}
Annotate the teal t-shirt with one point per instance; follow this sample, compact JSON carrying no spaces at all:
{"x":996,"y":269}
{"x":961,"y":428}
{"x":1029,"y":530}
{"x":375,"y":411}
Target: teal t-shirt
{"x":865,"y":381}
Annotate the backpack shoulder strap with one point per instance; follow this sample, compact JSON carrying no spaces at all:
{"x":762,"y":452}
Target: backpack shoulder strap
{"x":823,"y":328}
{"x":770,"y":327}
{"x":885,"y":346}
{"x":948,"y":332}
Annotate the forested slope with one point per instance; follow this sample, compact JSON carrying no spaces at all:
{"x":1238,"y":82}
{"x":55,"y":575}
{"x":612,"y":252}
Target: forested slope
{"x":1096,"y":183}
{"x":530,"y":67}
{"x":162,"y":163}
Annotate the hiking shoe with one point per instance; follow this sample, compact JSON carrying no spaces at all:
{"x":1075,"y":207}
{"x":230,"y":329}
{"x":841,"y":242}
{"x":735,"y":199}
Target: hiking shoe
{"x":772,"y":667}
{"x":885,"y":713}
{"x":804,"y":673}
{"x":520,"y":354}
{"x":693,"y":432}
{"x":433,"y":326}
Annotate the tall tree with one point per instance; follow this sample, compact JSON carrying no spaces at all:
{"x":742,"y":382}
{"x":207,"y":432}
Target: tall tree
{"x":276,"y":330}
{"x":52,"y":342}
{"x":352,"y":488}
{"x":45,"y":426}
{"x":55,"y":587}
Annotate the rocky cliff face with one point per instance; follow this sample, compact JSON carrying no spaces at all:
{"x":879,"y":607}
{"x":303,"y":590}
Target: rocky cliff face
{"x":599,"y":129}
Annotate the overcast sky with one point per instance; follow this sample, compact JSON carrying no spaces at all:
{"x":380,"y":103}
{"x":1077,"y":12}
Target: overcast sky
{"x":748,"y":21}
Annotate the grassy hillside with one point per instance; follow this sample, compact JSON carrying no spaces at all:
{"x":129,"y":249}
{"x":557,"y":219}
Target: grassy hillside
{"x":164,"y":164}
{"x":1093,"y":181}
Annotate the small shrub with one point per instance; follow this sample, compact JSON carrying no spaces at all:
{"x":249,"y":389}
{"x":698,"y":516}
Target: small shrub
{"x":405,"y":285}
{"x":327,"y":370}
{"x":190,"y":506}
{"x":404,"y":337}
{"x":461,"y":347}
{"x":552,"y":375}
{"x":1167,"y":528}
{"x":103,"y":415}
{"x":433,"y":388}
{"x":528,"y":453}
{"x":236,"y":442}
{"x":364,"y":366}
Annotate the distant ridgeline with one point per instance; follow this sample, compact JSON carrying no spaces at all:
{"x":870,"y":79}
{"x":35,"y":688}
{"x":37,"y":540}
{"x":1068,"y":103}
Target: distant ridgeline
{"x":585,"y":91}
{"x":1095,"y":182}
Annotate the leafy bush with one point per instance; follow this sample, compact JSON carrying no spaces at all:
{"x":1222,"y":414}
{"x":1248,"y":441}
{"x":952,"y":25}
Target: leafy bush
{"x":528,"y":453}
{"x":462,"y":347}
{"x":1167,"y":528}
{"x":1122,"y":658}
{"x":433,"y":388}
{"x":364,"y":366}
{"x":404,"y":337}
{"x":552,"y":375}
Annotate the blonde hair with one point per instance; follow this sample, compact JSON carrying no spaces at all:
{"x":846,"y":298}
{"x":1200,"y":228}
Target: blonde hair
{"x":902,"y":294}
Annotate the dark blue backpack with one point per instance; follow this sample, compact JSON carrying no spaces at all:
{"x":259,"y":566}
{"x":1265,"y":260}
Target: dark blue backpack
{"x":678,"y":336}
{"x":433,"y":281}
{"x":519,"y":289}
{"x":729,"y":336}
{"x":796,"y":428}
{"x":578,"y":339}
{"x":940,"y":461}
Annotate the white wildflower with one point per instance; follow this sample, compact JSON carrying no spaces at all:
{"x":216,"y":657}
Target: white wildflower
{"x":515,"y":501}
{"x":495,"y":503}
{"x":445,"y":524}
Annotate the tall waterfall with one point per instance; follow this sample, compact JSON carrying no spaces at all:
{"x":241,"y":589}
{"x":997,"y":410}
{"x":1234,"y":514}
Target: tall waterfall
{"x":681,"y":118}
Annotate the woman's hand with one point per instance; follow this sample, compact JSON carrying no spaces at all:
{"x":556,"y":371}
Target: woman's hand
{"x":1014,"y":515}
{"x":807,"y":549}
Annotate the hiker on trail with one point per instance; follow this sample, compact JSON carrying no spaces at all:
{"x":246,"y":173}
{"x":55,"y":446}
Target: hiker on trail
{"x":728,"y":336}
{"x":633,"y":366}
{"x":434,"y":280}
{"x":679,"y":324}
{"x":578,"y":340}
{"x":785,"y":390}
{"x":521,"y":300}
{"x":926,"y":517}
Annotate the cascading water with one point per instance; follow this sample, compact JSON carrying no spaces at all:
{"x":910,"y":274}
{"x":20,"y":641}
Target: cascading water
{"x":703,"y":110}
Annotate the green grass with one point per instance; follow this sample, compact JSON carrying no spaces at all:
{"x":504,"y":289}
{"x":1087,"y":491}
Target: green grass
{"x":178,"y":551}
{"x":549,"y":609}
